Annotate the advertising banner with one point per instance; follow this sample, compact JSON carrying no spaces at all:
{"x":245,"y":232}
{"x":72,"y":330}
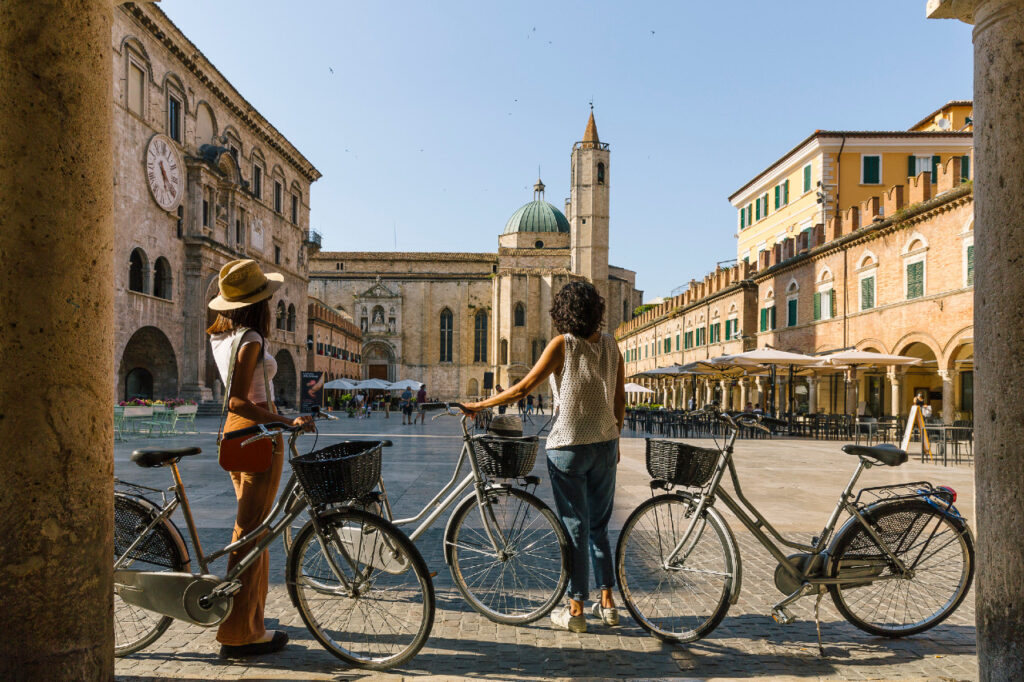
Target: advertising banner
{"x":311,"y":392}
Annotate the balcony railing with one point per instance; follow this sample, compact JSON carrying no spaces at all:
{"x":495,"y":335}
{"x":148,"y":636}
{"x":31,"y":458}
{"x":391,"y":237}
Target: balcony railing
{"x":314,"y":240}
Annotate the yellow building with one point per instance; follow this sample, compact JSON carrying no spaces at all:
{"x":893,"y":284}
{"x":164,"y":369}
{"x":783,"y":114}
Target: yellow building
{"x":833,"y":168}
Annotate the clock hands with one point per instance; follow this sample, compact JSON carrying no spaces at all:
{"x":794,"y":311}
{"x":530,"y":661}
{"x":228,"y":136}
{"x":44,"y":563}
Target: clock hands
{"x":167,"y":185}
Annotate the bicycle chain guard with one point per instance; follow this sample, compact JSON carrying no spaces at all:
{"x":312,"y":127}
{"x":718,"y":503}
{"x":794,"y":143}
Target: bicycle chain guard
{"x":784,"y":580}
{"x":173,"y":594}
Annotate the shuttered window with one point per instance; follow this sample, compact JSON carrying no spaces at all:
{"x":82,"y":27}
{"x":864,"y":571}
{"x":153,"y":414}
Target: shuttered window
{"x":785,"y":192}
{"x":677,"y":340}
{"x":791,"y":312}
{"x":965,"y":168}
{"x":807,"y":178}
{"x":817,"y":305}
{"x":757,"y":210}
{"x":743,"y":218}
{"x":778,"y":196}
{"x":832,"y":302}
{"x":936,"y":160}
{"x":970,"y":265}
{"x":764,"y":319}
{"x":915,"y":280}
{"x":867,"y":293}
{"x":771,"y":317}
{"x":668,"y":344}
{"x":870,"y":169}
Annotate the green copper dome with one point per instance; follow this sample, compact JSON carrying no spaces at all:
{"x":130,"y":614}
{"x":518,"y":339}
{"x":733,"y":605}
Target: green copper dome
{"x":537,"y":216}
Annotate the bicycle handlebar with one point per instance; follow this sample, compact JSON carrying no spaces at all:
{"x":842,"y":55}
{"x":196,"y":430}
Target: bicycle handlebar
{"x":271,"y":429}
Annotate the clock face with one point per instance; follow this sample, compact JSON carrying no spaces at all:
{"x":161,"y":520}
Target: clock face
{"x":164,"y":173}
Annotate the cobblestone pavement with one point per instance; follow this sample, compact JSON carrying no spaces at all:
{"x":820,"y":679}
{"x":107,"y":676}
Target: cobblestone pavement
{"x":794,"y":483}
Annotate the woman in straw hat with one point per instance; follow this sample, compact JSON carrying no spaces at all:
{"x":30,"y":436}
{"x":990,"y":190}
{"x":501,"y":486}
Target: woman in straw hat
{"x":243,"y":322}
{"x":588,"y":384}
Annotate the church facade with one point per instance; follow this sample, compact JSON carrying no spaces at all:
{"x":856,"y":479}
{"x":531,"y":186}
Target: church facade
{"x":460,"y":321}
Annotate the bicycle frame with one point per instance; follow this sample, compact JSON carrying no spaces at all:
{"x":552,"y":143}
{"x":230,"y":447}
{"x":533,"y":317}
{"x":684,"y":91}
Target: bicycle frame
{"x":291,"y":502}
{"x":754,"y":521}
{"x":449,"y":493}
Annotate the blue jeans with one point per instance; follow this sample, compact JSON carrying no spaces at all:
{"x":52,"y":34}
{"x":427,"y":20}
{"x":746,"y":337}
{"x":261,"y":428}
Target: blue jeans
{"x":583,"y":482}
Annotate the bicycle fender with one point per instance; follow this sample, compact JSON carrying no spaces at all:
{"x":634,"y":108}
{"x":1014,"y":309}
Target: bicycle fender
{"x":153,"y":510}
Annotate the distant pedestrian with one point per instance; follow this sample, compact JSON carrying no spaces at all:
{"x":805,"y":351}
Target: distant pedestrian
{"x":406,"y":403}
{"x":691,"y":404}
{"x":421,"y":397}
{"x":529,"y":404}
{"x":498,"y":389}
{"x":540,"y":404}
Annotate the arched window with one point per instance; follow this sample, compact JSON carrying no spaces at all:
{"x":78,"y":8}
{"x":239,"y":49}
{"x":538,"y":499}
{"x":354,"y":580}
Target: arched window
{"x":291,"y":317}
{"x":446,"y":336}
{"x":519,"y":315}
{"x":206,"y":128}
{"x":600,"y":173}
{"x":480,"y":336}
{"x":162,"y":279}
{"x":138,"y":271}
{"x":280,"y":315}
{"x":503,"y":352}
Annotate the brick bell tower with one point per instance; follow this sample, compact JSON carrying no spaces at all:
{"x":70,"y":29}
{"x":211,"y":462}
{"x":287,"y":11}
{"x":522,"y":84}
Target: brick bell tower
{"x":588,"y":207}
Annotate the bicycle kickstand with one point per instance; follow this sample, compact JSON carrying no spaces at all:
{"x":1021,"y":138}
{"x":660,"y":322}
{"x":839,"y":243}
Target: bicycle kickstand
{"x":817,"y":620}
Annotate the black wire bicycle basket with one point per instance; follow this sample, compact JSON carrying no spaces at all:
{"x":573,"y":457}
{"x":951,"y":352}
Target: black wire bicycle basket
{"x":680,"y":463}
{"x":498,"y":457}
{"x":339,"y":472}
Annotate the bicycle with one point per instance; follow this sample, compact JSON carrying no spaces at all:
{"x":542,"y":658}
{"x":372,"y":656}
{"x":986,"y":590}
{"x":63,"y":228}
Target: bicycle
{"x":507,"y":551}
{"x":901,"y":563}
{"x":360,"y":586}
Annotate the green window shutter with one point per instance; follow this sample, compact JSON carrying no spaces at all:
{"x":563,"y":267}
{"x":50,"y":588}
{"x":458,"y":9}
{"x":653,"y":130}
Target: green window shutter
{"x":766,"y":204}
{"x":771,"y":317}
{"x":778,"y":194}
{"x":757,"y":210}
{"x":791,"y":313}
{"x":965,"y":168}
{"x":807,"y":178}
{"x":911,"y":166}
{"x":832,"y":302}
{"x":970,"y":265}
{"x":817,"y":305}
{"x":743,"y":218}
{"x":867,"y":293}
{"x":936,"y":160}
{"x":764,"y":319}
{"x":871,"y":170}
{"x":785,"y":192}
{"x":915,"y":280}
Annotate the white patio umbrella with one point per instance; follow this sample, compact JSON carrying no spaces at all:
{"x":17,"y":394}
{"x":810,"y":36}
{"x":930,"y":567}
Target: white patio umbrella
{"x":410,"y":384}
{"x":373,"y":384}
{"x":862,"y":358}
{"x":340,"y":384}
{"x":637,"y":388}
{"x":772,"y":358}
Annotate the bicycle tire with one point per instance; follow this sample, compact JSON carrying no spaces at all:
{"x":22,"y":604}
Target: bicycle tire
{"x":471,"y":557}
{"x":370,"y":537}
{"x":136,"y":628}
{"x":655,"y":527}
{"x":909,"y":527}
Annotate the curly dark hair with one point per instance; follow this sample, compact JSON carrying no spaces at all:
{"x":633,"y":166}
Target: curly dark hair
{"x":578,"y":310}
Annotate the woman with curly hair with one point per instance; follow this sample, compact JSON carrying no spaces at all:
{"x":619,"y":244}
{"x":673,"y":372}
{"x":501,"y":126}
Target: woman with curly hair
{"x":588,"y":385}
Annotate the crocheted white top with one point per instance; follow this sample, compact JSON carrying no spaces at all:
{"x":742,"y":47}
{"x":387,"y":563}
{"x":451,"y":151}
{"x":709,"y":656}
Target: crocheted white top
{"x":584,"y":393}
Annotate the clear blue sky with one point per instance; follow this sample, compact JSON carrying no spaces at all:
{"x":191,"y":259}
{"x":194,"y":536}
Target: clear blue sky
{"x":430,"y":119}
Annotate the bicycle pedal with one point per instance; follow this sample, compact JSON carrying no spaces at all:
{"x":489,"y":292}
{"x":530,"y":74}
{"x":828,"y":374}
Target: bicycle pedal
{"x":433,"y":574}
{"x":782,"y":617}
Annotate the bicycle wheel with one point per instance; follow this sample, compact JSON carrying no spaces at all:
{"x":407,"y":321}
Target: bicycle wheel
{"x":135,"y":628}
{"x":378,"y":612}
{"x":686,"y":600}
{"x":937,"y":548}
{"x":522,"y":581}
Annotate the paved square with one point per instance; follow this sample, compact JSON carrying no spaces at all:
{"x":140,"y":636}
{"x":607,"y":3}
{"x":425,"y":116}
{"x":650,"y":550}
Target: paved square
{"x":795,"y":484}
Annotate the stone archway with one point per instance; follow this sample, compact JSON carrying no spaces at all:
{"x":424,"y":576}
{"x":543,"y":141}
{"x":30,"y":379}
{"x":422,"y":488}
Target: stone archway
{"x":286,"y":380}
{"x":151,"y":351}
{"x":379,"y":362}
{"x":922,"y":379}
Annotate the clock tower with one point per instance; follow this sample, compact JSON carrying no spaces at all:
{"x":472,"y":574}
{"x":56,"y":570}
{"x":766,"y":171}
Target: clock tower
{"x":588,"y":208}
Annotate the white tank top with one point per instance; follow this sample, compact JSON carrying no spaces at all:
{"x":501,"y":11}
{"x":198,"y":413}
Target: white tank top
{"x":222,"y":343}
{"x":584,"y":393}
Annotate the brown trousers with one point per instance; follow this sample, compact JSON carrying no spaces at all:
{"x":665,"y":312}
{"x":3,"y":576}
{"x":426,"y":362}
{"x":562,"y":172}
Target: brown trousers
{"x":256,"y":494}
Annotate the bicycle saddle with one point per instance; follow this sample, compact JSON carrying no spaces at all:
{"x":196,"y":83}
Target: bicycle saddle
{"x":158,"y":457}
{"x":889,"y":455}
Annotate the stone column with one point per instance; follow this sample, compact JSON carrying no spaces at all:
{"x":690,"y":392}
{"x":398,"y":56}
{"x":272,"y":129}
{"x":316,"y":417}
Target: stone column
{"x":743,"y":394}
{"x":947,"y":395}
{"x":812,"y":395}
{"x":895,"y":377}
{"x":999,"y":350}
{"x":709,"y":391}
{"x":56,"y":340}
{"x":760,"y":392}
{"x":851,"y":379}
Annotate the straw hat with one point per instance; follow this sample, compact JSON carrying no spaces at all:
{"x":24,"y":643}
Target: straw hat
{"x":506,"y":425}
{"x":242,"y":282}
